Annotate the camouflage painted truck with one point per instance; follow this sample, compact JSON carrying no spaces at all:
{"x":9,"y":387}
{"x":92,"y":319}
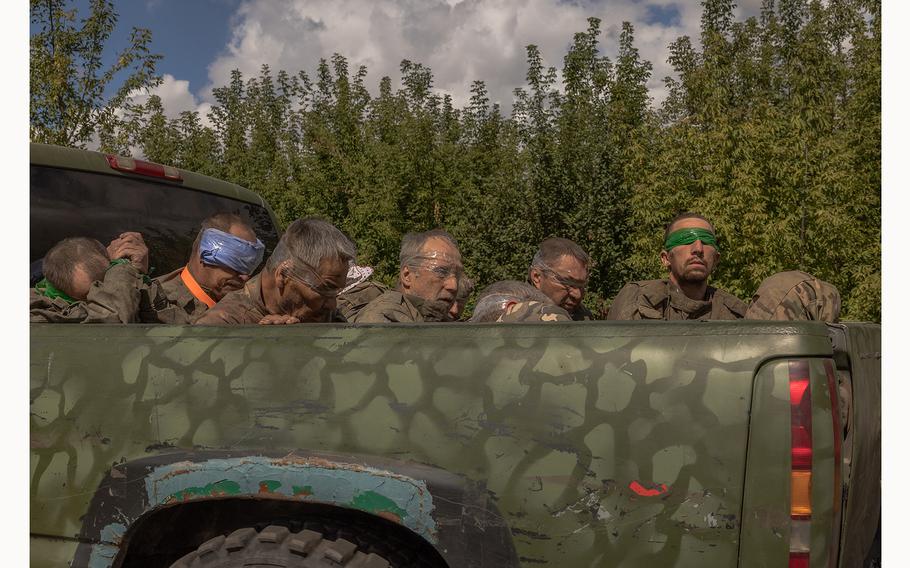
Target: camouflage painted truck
{"x":462,"y":445}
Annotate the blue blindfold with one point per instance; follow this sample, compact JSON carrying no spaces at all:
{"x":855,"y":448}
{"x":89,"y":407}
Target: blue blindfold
{"x":224,"y":249}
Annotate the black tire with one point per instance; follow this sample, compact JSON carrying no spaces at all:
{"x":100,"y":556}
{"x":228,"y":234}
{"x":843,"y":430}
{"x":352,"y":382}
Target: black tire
{"x":276,"y":546}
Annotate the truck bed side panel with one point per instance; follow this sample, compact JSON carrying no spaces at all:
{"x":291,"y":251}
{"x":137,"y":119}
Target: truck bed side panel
{"x":601,"y":444}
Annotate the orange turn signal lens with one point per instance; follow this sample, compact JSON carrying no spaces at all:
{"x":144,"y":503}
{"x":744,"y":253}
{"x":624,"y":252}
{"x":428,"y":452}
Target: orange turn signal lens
{"x":800,"y":493}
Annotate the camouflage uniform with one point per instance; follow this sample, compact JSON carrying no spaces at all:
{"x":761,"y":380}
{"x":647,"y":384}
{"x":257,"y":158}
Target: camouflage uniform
{"x":663,"y":300}
{"x":243,"y":307}
{"x":795,"y":295}
{"x":116,"y":299}
{"x":179,"y":296}
{"x":532,"y":311}
{"x":393,"y":306}
{"x":350,"y":303}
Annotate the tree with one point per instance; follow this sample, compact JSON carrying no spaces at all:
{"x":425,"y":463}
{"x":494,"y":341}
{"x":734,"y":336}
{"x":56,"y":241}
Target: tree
{"x":72,"y":95}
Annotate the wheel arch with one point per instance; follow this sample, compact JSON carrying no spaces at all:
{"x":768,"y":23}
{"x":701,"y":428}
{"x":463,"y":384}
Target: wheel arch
{"x":447,"y":512}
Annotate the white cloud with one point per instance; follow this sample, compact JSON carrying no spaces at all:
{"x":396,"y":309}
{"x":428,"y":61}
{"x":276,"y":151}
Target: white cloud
{"x":459,"y":40}
{"x":175,"y":96}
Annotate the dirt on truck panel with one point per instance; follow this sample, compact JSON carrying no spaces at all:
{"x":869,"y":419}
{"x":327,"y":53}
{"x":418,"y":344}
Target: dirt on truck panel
{"x":588,"y":442}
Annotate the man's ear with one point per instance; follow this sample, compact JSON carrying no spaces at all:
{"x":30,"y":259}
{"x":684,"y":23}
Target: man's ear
{"x":665,"y":258}
{"x":406,"y":277}
{"x":534,"y":276}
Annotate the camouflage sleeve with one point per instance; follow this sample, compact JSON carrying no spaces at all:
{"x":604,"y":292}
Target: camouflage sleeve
{"x":45,"y":310}
{"x":371,"y":314}
{"x":116,"y":298}
{"x":528,"y":312}
{"x":226,"y":312}
{"x":737,"y":307}
{"x":155,"y":307}
{"x":625,"y":304}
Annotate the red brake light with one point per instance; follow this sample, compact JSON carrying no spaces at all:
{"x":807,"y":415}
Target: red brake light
{"x":801,"y":464}
{"x":800,"y":417}
{"x":141,"y":167}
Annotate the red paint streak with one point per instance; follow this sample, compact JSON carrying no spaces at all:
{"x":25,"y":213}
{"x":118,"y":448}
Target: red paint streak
{"x":639,"y":489}
{"x":264,"y":488}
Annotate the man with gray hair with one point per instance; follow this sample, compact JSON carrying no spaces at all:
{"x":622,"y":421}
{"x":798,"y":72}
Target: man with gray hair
{"x":511,"y":301}
{"x":300,"y":282}
{"x":560,"y":270}
{"x":82,"y":285}
{"x":429,"y":271}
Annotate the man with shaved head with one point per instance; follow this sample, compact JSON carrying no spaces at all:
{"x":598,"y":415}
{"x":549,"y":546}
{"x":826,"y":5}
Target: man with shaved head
{"x":690,"y":254}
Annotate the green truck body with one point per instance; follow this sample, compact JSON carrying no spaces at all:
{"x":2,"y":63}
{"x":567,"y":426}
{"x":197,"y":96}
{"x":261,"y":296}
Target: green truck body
{"x":551,"y":444}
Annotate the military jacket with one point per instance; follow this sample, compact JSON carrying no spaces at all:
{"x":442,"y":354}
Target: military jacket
{"x":116,"y":299}
{"x":243,"y":307}
{"x":350,"y":303}
{"x":663,"y":300}
{"x":533,"y":311}
{"x":180,"y":297}
{"x":394,"y":306}
{"x":795,"y":295}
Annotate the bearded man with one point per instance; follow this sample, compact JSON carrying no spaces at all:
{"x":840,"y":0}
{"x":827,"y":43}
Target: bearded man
{"x":690,"y":254}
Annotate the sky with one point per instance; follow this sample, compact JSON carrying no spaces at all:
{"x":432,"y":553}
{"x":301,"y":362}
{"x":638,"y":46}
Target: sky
{"x":461,"y":41}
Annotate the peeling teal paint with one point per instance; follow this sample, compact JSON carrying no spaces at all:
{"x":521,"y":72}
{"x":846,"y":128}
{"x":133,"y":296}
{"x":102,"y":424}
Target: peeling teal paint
{"x":375,"y":491}
{"x":376,"y":503}
{"x":269,"y":486}
{"x":217,"y":489}
{"x":103,"y":553}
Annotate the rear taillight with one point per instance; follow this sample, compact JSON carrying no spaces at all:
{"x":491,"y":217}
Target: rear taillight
{"x":801,"y":463}
{"x":141,"y":167}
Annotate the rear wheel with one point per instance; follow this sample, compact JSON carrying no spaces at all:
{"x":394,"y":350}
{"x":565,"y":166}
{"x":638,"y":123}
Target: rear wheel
{"x":276,"y":546}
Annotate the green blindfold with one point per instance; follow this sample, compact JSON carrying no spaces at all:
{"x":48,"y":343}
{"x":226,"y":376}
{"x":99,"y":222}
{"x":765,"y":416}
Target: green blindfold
{"x":49,"y":290}
{"x":689,"y":236}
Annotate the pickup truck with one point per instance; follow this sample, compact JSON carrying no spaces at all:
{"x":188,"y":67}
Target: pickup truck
{"x":708,"y":444}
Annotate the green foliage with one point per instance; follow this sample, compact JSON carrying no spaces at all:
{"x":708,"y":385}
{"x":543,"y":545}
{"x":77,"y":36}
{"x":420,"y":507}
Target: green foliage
{"x":68,"y":97}
{"x":771,"y":129}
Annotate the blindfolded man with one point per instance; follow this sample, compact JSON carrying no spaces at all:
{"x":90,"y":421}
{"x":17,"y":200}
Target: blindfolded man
{"x":225,"y":254}
{"x":690,"y":253}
